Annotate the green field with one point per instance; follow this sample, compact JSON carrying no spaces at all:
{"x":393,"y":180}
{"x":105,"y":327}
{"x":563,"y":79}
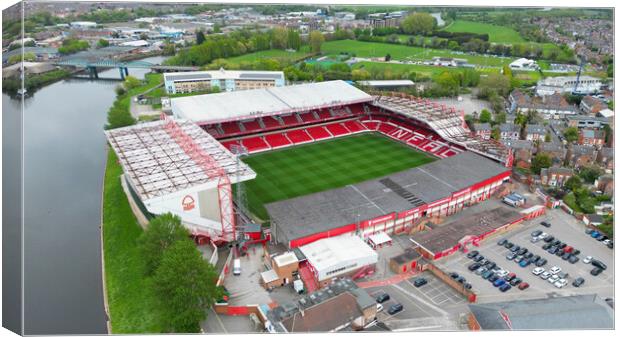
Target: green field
{"x":272,"y":54}
{"x":305,"y":169}
{"x":400,"y":52}
{"x":498,"y":34}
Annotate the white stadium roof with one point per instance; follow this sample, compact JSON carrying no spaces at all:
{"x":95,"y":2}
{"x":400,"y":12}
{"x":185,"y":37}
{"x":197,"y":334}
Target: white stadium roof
{"x":157,"y":164}
{"x":238,"y":105}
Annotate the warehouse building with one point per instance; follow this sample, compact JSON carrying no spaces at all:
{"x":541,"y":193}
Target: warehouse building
{"x":225,"y":80}
{"x":390,"y":204}
{"x":338,"y":256}
{"x":566,"y":84}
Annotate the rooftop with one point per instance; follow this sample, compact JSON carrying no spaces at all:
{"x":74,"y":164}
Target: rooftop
{"x":318,"y":212}
{"x":223,"y":74}
{"x":556,"y":313}
{"x":449,"y":234}
{"x":328,"y":252}
{"x":237,"y":105}
{"x":409,"y":255}
{"x":157,"y":164}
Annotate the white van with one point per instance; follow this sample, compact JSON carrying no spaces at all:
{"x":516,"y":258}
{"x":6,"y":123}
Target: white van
{"x":237,"y":267}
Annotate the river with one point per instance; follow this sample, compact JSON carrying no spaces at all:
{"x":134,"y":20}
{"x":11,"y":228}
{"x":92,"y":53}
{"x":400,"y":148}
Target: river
{"x":64,"y":162}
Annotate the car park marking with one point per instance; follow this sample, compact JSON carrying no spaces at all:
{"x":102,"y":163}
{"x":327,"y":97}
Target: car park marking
{"x":417,"y":298}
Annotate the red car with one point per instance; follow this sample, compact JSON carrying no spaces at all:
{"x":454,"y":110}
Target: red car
{"x":568,"y":249}
{"x":510,"y":277}
{"x":523,"y":286}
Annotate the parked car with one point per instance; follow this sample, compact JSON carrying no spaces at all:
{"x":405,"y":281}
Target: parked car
{"x":549,"y":238}
{"x":568,"y":249}
{"x":515,"y":282}
{"x":478,"y":258}
{"x":472,"y":254}
{"x":529,"y":255}
{"x":563,"y":274}
{"x":578,"y":282}
{"x":599,"y":264}
{"x":595,"y":234}
{"x":383,"y":297}
{"x":538,"y":270}
{"x":487,"y":274}
{"x":559,"y":253}
{"x":474,"y":266}
{"x":547,"y":246}
{"x":467,"y":285}
{"x":573,"y":259}
{"x":535,"y":258}
{"x":524,"y":263}
{"x":522,"y":251}
{"x":555,"y":269}
{"x":511,"y":256}
{"x":545,"y":275}
{"x":589,"y":231}
{"x":562,"y":245}
{"x":510,"y":277}
{"x":499,"y":282}
{"x":553,"y":250}
{"x":536,"y":233}
{"x":493,"y":278}
{"x":541,"y":262}
{"x":502,"y":273}
{"x":566,"y":256}
{"x":454,"y":275}
{"x":419,"y":281}
{"x":543,"y":235}
{"x":534,"y":239}
{"x":524,"y":285}
{"x":461,"y":279}
{"x":610,"y":245}
{"x":560,"y":283}
{"x":602,"y":238}
{"x":509,"y":245}
{"x":395,"y":308}
{"x":576,"y":252}
{"x":545,"y":223}
{"x":553,"y":278}
{"x":505,"y":287}
{"x":587,"y":259}
{"x":518,"y":259}
{"x":491,"y":265}
{"x":515,"y":248}
{"x":596,"y":271}
{"x":481,"y":271}
{"x":502,"y":242}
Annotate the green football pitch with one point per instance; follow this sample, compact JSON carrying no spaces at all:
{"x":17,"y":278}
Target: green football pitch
{"x":305,"y":169}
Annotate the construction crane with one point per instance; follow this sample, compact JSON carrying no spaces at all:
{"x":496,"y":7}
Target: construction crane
{"x":581,"y":64}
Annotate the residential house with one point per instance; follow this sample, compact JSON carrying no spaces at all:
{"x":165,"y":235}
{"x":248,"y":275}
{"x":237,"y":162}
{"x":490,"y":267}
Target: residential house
{"x":534,"y":132}
{"x":605,"y":113}
{"x":591,"y":137}
{"x":566,"y":84}
{"x":592,"y":105}
{"x":509,"y":131}
{"x":552,"y":106}
{"x":482,"y":130}
{"x":581,"y":155}
{"x":555,"y":176}
{"x":581,"y":121}
{"x":522,"y":150}
{"x":555,"y":150}
{"x":605,"y":184}
{"x":605,"y":158}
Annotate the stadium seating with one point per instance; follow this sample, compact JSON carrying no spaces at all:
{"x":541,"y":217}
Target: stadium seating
{"x":231,"y":128}
{"x":337,"y":129}
{"x":354,"y":126}
{"x":371,"y":125}
{"x":255,"y":144}
{"x":277,"y":140}
{"x":357,"y":109}
{"x":318,"y":133}
{"x":252,"y":125}
{"x":299,"y":136}
{"x":307,"y":117}
{"x":325,"y":115}
{"x":230,"y":143}
{"x":290,"y":120}
{"x":271,"y":122}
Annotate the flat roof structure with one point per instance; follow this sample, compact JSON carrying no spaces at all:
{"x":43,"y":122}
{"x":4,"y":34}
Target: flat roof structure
{"x":223,"y":74}
{"x":285,"y":259}
{"x":387,"y":83}
{"x":408,"y":255}
{"x":318,"y":212}
{"x":157,"y":164}
{"x":448,"y":235}
{"x":239,"y":105}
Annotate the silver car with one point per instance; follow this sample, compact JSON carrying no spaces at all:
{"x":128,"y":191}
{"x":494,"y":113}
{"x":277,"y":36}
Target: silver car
{"x":545,"y":275}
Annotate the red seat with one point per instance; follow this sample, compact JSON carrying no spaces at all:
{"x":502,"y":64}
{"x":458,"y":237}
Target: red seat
{"x":290,"y":120}
{"x":230,"y":128}
{"x":271,"y":122}
{"x":386,"y":128}
{"x":255,"y":144}
{"x":228,"y":144}
{"x":252,"y":125}
{"x":299,"y":136}
{"x":307,"y":117}
{"x":371,"y":125}
{"x":277,"y":140}
{"x":354,"y":126}
{"x":318,"y":132}
{"x":337,"y":129}
{"x":325,"y":115}
{"x":357,"y":109}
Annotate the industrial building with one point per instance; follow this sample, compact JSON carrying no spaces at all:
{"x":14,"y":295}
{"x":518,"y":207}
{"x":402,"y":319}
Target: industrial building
{"x":177,"y":167}
{"x":225,"y":80}
{"x":566,"y":84}
{"x":390,"y":204}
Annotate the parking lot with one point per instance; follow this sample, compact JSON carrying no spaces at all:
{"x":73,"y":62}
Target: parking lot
{"x":565,"y":228}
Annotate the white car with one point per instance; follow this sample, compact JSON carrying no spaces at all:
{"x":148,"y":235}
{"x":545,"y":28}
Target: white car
{"x":535,"y":239}
{"x":501,"y":273}
{"x":543,"y":235}
{"x":606,"y":242}
{"x":379,"y":307}
{"x":553,"y":278}
{"x":555,"y":269}
{"x":587,"y":259}
{"x":545,"y":275}
{"x":538,"y":270}
{"x":560,"y":283}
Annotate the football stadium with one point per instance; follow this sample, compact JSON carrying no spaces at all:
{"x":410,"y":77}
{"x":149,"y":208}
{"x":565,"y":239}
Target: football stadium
{"x":307,"y":161}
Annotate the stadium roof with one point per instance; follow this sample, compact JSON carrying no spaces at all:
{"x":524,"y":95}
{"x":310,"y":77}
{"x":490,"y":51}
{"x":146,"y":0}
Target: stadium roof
{"x":314,"y":213}
{"x":238,"y":105}
{"x":556,"y":313}
{"x":157,"y":164}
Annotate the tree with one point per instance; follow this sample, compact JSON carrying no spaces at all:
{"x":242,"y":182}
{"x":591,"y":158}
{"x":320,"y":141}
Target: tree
{"x":418,"y":23}
{"x":496,"y":134}
{"x":200,"y":36}
{"x":485,"y":116}
{"x":294,"y":39}
{"x":573,"y":183}
{"x":279,"y":38}
{"x":131,"y":82}
{"x":500,"y":118}
{"x":119,"y":116}
{"x":539,"y":162}
{"x":388,"y":57}
{"x":547,"y":137}
{"x":493,"y":83}
{"x":186,"y":285}
{"x":316,"y":40}
{"x":102,"y":43}
{"x":160,"y":234}
{"x":571,"y":134}
{"x":590,"y":173}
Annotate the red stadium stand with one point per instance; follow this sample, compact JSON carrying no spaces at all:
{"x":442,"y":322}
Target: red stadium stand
{"x":354,"y":126}
{"x":228,"y":144}
{"x":357,"y":109}
{"x":337,"y":129}
{"x":386,"y":128}
{"x":252,"y":125}
{"x":271,"y":122}
{"x":325,"y":115}
{"x":290,"y":120}
{"x":299,"y":136}
{"x":255,"y":144}
{"x":277,"y":140}
{"x":230,"y":128}
{"x":307,"y":117}
{"x":371,"y":125}
{"x":318,"y":132}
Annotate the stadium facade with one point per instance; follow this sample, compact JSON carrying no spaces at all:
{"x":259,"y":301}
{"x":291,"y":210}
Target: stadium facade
{"x":469,"y":171}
